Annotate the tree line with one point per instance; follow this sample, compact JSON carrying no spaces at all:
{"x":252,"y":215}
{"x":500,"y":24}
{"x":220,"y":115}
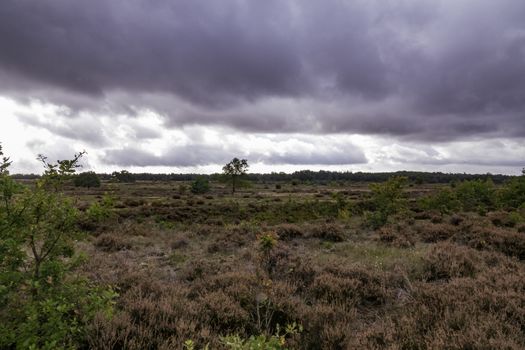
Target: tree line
{"x":306,"y":176}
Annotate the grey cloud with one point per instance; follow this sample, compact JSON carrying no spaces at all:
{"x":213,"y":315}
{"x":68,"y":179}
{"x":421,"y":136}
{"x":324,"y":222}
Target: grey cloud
{"x":180,"y":156}
{"x":426,"y":70}
{"x":479,"y":153}
{"x":328,"y":157}
{"x":74,"y":128}
{"x":202,"y":154}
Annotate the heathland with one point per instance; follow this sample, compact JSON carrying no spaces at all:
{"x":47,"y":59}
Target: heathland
{"x":397,"y":264}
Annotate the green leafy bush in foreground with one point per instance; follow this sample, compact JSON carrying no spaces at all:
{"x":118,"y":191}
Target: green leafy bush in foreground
{"x":42,"y":304}
{"x":260,"y":342}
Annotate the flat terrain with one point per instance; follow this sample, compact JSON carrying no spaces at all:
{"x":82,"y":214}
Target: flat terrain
{"x":202,"y":266}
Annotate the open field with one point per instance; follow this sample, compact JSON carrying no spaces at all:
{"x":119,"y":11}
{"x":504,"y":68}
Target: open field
{"x":199,"y":267}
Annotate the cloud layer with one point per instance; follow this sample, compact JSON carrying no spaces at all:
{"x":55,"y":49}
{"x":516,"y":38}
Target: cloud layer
{"x":440,"y":69}
{"x":421,"y":71}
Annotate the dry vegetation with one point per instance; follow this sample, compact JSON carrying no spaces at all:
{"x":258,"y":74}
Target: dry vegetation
{"x":200,"y":267}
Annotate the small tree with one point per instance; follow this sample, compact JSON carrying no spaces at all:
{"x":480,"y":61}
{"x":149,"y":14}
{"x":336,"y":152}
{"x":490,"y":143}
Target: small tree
{"x":87,"y":179}
{"x":200,"y":186}
{"x":43,"y":304}
{"x":387,"y":199}
{"x":234,"y":171}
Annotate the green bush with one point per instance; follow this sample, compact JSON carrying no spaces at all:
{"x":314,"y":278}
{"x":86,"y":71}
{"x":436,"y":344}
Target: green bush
{"x":476,"y":195}
{"x":262,"y":342}
{"x":123,"y":176}
{"x":200,"y":186}
{"x":387,"y":199}
{"x":87,"y":179}
{"x":513,"y":193}
{"x":42,"y":304}
{"x":445,"y":201}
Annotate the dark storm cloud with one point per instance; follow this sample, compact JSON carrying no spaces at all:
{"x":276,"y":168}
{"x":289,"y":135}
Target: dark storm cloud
{"x":427,"y":70}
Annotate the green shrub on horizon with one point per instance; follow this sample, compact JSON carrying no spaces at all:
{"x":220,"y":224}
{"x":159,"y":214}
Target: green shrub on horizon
{"x":87,"y":179}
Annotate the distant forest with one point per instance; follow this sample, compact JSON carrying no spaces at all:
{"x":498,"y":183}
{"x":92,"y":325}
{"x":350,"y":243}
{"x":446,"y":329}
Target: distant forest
{"x":314,"y":176}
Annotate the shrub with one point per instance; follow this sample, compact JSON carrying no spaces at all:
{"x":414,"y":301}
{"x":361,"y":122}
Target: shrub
{"x":476,"y":195}
{"x":431,"y":233}
{"x":513,"y":193}
{"x":200,"y":186}
{"x":274,"y":342}
{"x":328,"y":232}
{"x":444,"y":201}
{"x":446,"y":261}
{"x":123,"y":176}
{"x":387,"y":199}
{"x":99,"y":211}
{"x":288,"y":231}
{"x":111,"y":243}
{"x":43,"y":304}
{"x":87,"y":179}
{"x":396,"y":236}
{"x":504,"y":219}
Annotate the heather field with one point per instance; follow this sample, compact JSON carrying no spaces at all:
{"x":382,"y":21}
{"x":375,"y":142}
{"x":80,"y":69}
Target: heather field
{"x":200,"y":264}
{"x":443,"y":270}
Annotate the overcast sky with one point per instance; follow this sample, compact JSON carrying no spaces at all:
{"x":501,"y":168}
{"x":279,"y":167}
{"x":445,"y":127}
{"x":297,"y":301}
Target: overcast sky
{"x":184,"y":86}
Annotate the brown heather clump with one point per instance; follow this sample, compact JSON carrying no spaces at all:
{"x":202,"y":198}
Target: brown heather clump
{"x":179,"y":243}
{"x":352,"y":287}
{"x":456,"y":219}
{"x":507,"y":241}
{"x":397,"y":236}
{"x":328,"y":231}
{"x":432,"y":232}
{"x":111,"y":243}
{"x":289,"y":231}
{"x":446,"y":261}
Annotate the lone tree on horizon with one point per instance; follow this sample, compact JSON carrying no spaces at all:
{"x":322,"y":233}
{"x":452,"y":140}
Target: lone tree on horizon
{"x":234,"y":170}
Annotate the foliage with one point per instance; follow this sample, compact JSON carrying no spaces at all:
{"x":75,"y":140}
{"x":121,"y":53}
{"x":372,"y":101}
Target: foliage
{"x":445,"y":201}
{"x":200,"y":186}
{"x":267,"y":241}
{"x":100,"y":211}
{"x":123,"y":176}
{"x":56,"y":174}
{"x":343,"y":206}
{"x":87,"y":179}
{"x":387,"y":199}
{"x":262,"y":342}
{"x":234,"y":171}
{"x":476,"y":195}
{"x":42,"y":305}
{"x":513,"y":192}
